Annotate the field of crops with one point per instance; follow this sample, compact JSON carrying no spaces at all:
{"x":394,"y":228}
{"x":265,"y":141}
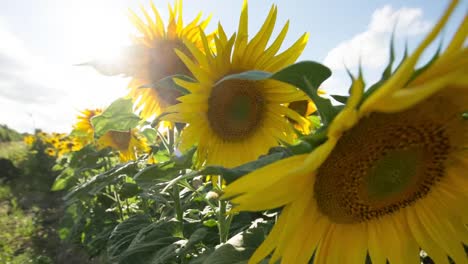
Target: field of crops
{"x":227,"y":150}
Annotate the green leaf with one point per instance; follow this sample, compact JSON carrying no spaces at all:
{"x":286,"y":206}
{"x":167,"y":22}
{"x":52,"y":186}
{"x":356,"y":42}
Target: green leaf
{"x":230,"y":175}
{"x":298,"y":73}
{"x":248,"y":75}
{"x":95,"y":184}
{"x":123,"y":235}
{"x":238,"y":249}
{"x":118,"y":116}
{"x":210,"y":222}
{"x":62,"y":181}
{"x":185,"y":161}
{"x":150,"y":176}
{"x":315,"y":121}
{"x":168,"y":83}
{"x":151,"y":135}
{"x":150,"y":240}
{"x":316,"y":139}
{"x":340,"y":98}
{"x":129,"y":190}
{"x":308,"y":76}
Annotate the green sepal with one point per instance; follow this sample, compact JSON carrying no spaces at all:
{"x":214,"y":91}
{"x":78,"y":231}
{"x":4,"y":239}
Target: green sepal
{"x":387,"y":73}
{"x":118,"y":116}
{"x":420,"y":70}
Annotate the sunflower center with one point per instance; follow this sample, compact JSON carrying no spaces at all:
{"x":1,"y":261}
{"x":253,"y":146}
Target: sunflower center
{"x":164,"y":62}
{"x":120,"y":139}
{"x":385,"y":163}
{"x":235,"y":109}
{"x":393,"y":173}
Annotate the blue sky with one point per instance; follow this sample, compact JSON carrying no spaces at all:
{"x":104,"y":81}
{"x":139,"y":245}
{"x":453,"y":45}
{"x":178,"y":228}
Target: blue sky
{"x":42,"y":39}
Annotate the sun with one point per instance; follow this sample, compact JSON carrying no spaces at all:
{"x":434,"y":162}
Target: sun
{"x":100,"y":29}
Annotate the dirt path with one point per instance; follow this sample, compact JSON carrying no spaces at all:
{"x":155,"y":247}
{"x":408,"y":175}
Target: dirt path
{"x":30,"y":213}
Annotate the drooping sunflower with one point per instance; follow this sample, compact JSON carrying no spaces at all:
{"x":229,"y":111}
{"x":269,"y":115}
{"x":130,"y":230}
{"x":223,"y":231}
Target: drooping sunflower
{"x":127,"y":143}
{"x":154,"y":58}
{"x":83,"y":129}
{"x":234,"y":121}
{"x":389,"y":180}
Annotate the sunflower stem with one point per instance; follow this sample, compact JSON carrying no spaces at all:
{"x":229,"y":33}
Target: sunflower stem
{"x":177,"y":205}
{"x":119,"y":204}
{"x":175,"y":189}
{"x":222,"y":223}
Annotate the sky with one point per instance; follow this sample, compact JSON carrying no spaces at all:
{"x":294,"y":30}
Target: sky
{"x":42,"y":41}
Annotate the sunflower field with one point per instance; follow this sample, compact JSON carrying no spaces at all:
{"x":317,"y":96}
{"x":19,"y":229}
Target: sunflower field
{"x":227,"y":150}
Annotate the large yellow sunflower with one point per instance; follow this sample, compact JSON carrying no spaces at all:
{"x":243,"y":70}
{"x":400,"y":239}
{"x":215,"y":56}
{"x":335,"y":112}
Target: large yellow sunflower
{"x":127,"y":143}
{"x":84,"y":128}
{"x":391,"y":178}
{"x":155,"y":58}
{"x":234,"y":121}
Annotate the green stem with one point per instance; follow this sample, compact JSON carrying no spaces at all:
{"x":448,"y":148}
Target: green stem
{"x":171,"y":140}
{"x":177,"y":205}
{"x":223,"y":227}
{"x":119,"y":204}
{"x":164,"y":141}
{"x":224,"y":221}
{"x":175,"y":189}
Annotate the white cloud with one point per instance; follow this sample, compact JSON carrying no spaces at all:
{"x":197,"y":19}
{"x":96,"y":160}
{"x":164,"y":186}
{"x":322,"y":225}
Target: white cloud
{"x":36,"y":93}
{"x":408,"y":21}
{"x":371,"y":46}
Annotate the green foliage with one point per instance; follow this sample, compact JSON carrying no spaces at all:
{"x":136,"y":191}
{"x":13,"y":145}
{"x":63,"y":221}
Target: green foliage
{"x":7,"y":134}
{"x":15,"y":151}
{"x":118,"y":116}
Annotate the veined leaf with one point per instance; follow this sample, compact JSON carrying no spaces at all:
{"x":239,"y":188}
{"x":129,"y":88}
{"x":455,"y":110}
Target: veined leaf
{"x":118,"y":116}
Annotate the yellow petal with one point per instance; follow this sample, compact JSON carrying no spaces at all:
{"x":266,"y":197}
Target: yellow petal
{"x":264,"y":177}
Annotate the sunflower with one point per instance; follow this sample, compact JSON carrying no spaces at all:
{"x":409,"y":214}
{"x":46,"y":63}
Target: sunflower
{"x":83,"y":129}
{"x":50,"y":151}
{"x":234,"y":121}
{"x":127,"y":143}
{"x":305,"y":108}
{"x":29,"y":140}
{"x":67,"y":145}
{"x":154,"y":58}
{"x":389,"y":180}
